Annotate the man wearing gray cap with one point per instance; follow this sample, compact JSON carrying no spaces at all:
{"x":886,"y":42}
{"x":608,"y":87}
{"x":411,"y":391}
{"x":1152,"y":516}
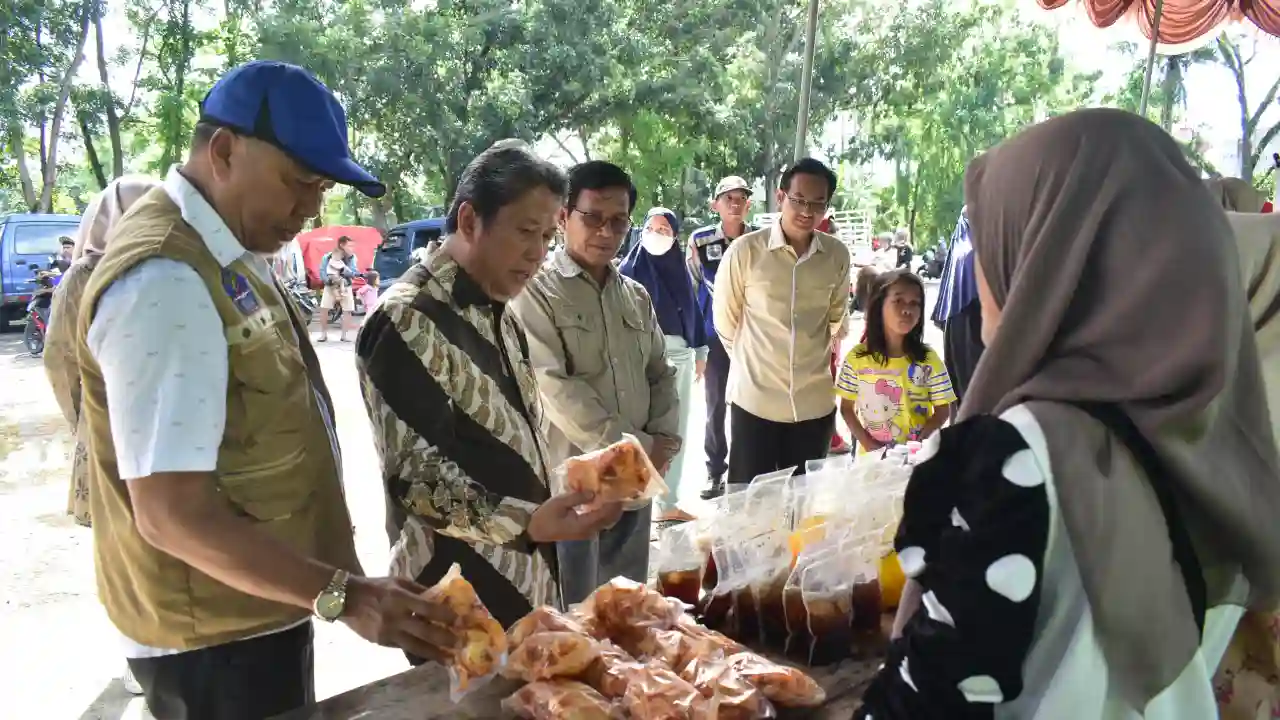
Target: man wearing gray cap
{"x":707,"y":245}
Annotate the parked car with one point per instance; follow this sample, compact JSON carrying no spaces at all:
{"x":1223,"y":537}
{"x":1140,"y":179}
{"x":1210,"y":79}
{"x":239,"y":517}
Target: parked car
{"x":27,"y":240}
{"x":395,"y":254}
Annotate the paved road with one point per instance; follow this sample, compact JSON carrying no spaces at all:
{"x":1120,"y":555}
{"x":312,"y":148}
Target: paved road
{"x":61,"y":658}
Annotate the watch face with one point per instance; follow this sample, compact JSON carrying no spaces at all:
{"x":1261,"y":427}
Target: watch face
{"x":329,"y":605}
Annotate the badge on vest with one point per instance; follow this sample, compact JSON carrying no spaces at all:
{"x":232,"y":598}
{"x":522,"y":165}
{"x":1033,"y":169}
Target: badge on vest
{"x":241,"y":294}
{"x":715,"y":252}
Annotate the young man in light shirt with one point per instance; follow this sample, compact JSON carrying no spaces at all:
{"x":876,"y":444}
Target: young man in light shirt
{"x":781,"y":298}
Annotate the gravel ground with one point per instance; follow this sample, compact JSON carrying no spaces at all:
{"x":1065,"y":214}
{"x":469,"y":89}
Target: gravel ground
{"x":61,"y":657}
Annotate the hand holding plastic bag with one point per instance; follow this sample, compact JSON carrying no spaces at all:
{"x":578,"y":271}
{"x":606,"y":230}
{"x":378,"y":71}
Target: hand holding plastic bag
{"x":481,"y":647}
{"x":621,"y":472}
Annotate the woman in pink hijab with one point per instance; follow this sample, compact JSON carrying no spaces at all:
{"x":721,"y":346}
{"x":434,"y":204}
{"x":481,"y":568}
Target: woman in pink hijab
{"x":60,"y":344}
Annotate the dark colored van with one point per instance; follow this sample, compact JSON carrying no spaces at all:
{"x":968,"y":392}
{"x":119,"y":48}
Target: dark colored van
{"x":394,"y":255}
{"x":27,"y":240}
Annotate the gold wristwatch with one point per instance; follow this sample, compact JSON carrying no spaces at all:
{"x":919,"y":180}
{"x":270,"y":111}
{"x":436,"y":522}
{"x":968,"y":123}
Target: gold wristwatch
{"x":331,"y":601}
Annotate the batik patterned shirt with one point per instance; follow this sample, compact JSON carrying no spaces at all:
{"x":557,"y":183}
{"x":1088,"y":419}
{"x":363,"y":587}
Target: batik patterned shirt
{"x":448,"y":387}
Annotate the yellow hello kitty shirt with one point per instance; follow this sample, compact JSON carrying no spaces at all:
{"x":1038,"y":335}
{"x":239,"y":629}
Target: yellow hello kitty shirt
{"x":894,"y":400}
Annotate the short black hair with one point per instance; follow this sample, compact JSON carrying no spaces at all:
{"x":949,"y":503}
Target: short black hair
{"x":203,"y":133}
{"x":498,"y":176}
{"x":809,"y":166}
{"x":343,"y":239}
{"x":599,"y":175}
{"x":877,"y":345}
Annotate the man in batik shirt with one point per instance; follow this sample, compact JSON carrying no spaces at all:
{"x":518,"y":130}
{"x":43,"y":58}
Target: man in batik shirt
{"x":446,"y":379}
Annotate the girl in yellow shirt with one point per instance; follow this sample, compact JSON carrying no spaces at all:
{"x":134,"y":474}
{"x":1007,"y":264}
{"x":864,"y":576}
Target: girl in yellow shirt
{"x":893,"y":387}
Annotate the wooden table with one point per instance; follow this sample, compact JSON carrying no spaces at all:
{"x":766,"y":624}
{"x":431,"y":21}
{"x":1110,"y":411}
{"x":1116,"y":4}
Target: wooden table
{"x":423,"y":694}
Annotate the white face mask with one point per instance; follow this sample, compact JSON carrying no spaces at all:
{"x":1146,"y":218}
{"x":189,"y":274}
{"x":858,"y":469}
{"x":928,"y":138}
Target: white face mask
{"x":656,"y":243}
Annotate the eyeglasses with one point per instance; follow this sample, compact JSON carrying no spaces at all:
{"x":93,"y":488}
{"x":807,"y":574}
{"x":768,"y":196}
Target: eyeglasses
{"x":813,"y":206}
{"x":617,"y":225}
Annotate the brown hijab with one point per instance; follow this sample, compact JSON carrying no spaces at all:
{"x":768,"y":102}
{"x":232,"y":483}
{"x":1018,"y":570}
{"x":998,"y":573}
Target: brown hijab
{"x":1118,"y":282}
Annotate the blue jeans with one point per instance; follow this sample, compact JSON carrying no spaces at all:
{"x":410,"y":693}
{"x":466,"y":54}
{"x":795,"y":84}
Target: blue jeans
{"x":620,"y":550}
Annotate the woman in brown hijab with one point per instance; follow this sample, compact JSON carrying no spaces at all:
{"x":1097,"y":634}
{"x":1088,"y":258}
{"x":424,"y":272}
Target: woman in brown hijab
{"x":1084,"y":539}
{"x":60,"y":344}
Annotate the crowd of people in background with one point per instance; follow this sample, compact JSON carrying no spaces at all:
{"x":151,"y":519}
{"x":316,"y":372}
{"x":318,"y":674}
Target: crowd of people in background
{"x":1110,"y":348}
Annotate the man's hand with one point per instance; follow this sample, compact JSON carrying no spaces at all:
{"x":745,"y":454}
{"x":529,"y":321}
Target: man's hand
{"x":392,"y":612}
{"x":558,"y":518}
{"x":699,"y":370}
{"x":664,"y":449}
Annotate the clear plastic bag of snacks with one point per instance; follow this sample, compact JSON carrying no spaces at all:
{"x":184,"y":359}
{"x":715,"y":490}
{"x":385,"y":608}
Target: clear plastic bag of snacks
{"x":621,"y":472}
{"x":783,"y":685}
{"x":680,"y":564}
{"x":621,"y":604}
{"x":734,"y":698}
{"x":481,"y":648}
{"x":541,"y":619}
{"x":558,"y":700}
{"x":609,"y":671}
{"x":551,"y":654}
{"x":655,"y":692}
{"x":649,"y":644}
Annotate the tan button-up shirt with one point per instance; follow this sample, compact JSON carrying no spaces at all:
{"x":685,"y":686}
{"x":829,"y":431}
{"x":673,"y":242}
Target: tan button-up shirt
{"x":599,"y":357}
{"x":776,"y":314}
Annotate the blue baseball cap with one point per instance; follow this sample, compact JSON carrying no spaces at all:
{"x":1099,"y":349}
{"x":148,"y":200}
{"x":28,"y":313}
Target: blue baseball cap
{"x":286,"y":106}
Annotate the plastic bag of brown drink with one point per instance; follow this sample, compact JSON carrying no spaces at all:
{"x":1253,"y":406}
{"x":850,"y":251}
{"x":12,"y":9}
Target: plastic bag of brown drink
{"x":621,"y":472}
{"x":559,"y":700}
{"x":841,"y":598}
{"x":726,"y":606}
{"x":680,"y":564}
{"x":838,"y":540}
{"x":769,"y":566}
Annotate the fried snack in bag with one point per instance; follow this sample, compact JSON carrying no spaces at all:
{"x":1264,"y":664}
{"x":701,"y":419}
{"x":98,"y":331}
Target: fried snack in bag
{"x":655,"y":692}
{"x":609,"y":671}
{"x":551,"y":654}
{"x":584,"y":614}
{"x":784,"y":686}
{"x":541,"y":619}
{"x":706,"y":637}
{"x":558,"y":700}
{"x":621,"y":472}
{"x":649,"y":643}
{"x":735,"y":698}
{"x":481,"y":647}
{"x":621,"y":604}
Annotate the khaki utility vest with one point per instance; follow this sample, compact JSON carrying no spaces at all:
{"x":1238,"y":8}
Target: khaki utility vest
{"x":275,"y":468}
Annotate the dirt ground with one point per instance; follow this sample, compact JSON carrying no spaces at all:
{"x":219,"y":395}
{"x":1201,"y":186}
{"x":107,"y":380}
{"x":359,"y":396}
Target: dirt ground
{"x":61,"y":658}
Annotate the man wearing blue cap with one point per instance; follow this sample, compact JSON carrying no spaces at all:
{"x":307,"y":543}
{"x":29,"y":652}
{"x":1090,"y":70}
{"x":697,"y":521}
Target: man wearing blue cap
{"x":220,"y":522}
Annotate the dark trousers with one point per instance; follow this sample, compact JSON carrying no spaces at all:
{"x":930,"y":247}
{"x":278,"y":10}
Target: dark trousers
{"x":714,"y":380}
{"x":763,"y":446}
{"x":250,"y":679}
{"x":962,"y":343}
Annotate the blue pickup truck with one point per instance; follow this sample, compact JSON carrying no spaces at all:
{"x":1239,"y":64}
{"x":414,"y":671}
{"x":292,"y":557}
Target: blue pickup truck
{"x":394,"y":255}
{"x":27,"y":240}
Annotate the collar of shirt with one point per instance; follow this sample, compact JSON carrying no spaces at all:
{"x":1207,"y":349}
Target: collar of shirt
{"x":466,"y":292}
{"x":778,"y":240}
{"x":569,"y":267}
{"x":201,"y":216}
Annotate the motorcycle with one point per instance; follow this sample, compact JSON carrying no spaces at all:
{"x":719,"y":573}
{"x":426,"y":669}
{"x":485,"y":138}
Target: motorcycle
{"x":303,"y":298}
{"x":38,"y":309}
{"x":931,"y":265}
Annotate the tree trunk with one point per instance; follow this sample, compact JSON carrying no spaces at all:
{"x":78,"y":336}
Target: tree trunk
{"x":91,"y":152}
{"x":55,"y":126}
{"x":29,"y":199}
{"x":1169,"y":87}
{"x":113,"y":118}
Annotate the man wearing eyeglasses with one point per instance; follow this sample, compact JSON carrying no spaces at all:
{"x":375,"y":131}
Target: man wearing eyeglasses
{"x":706,"y":249}
{"x":600,"y":359}
{"x":780,"y":300}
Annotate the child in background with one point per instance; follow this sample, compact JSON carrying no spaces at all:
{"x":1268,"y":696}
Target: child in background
{"x":893,"y":387}
{"x":369,"y":293}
